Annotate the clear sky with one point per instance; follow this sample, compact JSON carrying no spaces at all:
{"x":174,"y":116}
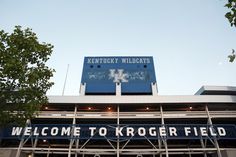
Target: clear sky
{"x":189,"y":39}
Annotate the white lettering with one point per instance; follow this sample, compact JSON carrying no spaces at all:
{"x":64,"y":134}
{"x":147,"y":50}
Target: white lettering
{"x":96,"y":60}
{"x":221,"y":131}
{"x":119,"y":131}
{"x":76,"y":131}
{"x":124,"y":60}
{"x":106,"y":60}
{"x":54,"y":131}
{"x":27,"y":131}
{"x":203,"y":131}
{"x":102,"y":131}
{"x":92,"y":130}
{"x":212,"y":131}
{"x":162,"y":131}
{"x":89,"y":60}
{"x":195,"y":131}
{"x":135,"y":60}
{"x":172,"y":131}
{"x":129,"y":131}
{"x":187,"y":130}
{"x":43,"y":131}
{"x":102,"y":60}
{"x":36,"y":133}
{"x":16,"y":131}
{"x":65,"y":131}
{"x":141,"y":131}
{"x":152,"y":131}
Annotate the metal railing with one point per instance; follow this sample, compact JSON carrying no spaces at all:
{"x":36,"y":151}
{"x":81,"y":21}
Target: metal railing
{"x":143,"y":115}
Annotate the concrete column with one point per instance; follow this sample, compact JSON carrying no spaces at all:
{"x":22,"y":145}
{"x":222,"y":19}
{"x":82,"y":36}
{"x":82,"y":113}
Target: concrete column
{"x":118,"y":123}
{"x":82,"y":88}
{"x":118,"y":89}
{"x":215,"y":140}
{"x":154,"y":88}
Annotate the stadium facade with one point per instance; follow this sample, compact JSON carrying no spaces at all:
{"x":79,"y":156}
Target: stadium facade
{"x":119,"y":113}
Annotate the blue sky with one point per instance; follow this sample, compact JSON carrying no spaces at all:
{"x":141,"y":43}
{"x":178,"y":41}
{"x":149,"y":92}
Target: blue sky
{"x":189,"y":40}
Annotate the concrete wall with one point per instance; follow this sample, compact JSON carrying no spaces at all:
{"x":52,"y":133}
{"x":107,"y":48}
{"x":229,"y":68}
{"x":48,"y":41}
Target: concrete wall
{"x":229,"y":153}
{"x":10,"y":153}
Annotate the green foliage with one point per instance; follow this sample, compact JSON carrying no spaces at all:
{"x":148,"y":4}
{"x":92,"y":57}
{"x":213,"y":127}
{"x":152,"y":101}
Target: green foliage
{"x":24,"y":76}
{"x":232,"y":56}
{"x":231,"y":15}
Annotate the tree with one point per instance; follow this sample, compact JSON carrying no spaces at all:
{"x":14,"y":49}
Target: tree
{"x":232,"y":56}
{"x":231,"y":16}
{"x":24,"y":76}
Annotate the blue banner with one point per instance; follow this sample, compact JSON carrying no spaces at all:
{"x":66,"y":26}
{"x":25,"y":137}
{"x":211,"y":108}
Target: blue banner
{"x":123,"y":132}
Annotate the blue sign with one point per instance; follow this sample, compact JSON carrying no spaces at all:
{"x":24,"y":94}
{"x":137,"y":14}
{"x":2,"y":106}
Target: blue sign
{"x":123,"y":132}
{"x":135,"y":74}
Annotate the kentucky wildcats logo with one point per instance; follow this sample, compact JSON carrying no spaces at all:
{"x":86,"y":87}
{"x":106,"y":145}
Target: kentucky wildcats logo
{"x":118,"y":75}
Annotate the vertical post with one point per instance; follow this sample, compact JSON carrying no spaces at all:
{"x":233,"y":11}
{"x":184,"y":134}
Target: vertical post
{"x":72,"y":140}
{"x":77,"y":140}
{"x":34,"y":146}
{"x":164,"y":140}
{"x":159,"y":140}
{"x":118,"y":89}
{"x":118,"y":123}
{"x":154,"y":88}
{"x":76,"y":147}
{"x":48,"y":153}
{"x":82,"y":88}
{"x":202,"y":143}
{"x":189,"y":154}
{"x":22,"y":141}
{"x":203,"y":146}
{"x":215,"y":140}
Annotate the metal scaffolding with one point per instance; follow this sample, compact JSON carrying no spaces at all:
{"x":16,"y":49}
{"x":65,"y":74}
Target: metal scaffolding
{"x":119,"y":148}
